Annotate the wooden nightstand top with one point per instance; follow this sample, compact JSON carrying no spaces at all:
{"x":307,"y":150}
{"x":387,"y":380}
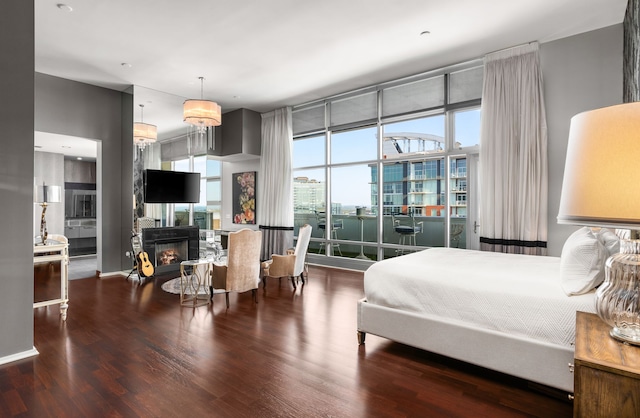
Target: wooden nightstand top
{"x":594,"y":345}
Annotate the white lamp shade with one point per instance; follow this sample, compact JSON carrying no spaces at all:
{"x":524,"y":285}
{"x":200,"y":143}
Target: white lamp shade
{"x":144,"y":132}
{"x":202,"y":113}
{"x":601,"y":185}
{"x":48,"y":194}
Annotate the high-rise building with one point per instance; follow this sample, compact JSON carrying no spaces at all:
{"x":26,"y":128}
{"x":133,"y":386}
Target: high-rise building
{"x":308,"y":195}
{"x":418,"y":187}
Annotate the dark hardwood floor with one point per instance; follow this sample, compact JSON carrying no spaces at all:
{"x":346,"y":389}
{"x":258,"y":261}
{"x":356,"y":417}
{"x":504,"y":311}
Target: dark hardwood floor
{"x":130,"y":350}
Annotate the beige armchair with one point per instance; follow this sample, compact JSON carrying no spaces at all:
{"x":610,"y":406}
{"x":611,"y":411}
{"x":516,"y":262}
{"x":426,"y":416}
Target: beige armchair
{"x":241,"y":272}
{"x":292,"y":264}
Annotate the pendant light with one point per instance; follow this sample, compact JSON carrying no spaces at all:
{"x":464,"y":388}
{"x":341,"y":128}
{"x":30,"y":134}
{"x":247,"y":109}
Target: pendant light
{"x":144,"y":133}
{"x":202,"y":113}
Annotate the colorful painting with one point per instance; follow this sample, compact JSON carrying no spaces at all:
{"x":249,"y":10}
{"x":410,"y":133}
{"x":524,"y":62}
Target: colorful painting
{"x":244,"y":198}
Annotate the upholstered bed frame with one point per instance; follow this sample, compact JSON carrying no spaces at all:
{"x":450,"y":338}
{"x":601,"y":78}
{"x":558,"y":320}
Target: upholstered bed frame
{"x":544,"y":363}
{"x":506,"y":312}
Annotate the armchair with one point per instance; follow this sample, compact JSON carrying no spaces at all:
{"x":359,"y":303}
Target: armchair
{"x":292,"y":264}
{"x":241,"y":272}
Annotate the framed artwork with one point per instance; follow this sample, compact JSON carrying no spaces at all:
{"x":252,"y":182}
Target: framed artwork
{"x":244,"y":197}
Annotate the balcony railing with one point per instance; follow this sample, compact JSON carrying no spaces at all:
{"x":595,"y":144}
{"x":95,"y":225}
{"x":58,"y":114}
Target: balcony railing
{"x":459,"y":172}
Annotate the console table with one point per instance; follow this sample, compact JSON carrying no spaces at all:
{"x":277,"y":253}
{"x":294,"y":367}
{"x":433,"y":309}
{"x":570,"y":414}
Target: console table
{"x":54,"y":251}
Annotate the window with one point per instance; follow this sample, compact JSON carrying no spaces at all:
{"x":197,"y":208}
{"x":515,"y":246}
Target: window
{"x":309,"y":180}
{"x":309,"y":151}
{"x":206,"y":213}
{"x":354,"y":145}
{"x":467,"y":132}
{"x":209,"y":213}
{"x":414,"y":137}
{"x":364,"y":159}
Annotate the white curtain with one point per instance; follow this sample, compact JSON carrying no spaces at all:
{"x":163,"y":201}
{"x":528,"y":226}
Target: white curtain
{"x":275,"y":185}
{"x":513,"y":156}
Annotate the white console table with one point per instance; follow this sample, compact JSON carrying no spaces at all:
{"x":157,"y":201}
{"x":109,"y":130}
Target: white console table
{"x":54,"y":251}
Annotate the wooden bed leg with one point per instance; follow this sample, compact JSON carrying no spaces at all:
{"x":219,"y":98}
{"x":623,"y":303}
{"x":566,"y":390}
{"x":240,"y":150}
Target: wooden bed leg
{"x":361,"y":337}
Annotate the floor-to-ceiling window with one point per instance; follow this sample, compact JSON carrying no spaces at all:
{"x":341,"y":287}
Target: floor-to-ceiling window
{"x":385,"y":170}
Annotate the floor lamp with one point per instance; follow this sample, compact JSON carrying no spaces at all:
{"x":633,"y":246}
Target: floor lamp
{"x":45,"y":195}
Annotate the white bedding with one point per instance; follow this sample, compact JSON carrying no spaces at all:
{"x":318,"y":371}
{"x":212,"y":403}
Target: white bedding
{"x":515,"y":294}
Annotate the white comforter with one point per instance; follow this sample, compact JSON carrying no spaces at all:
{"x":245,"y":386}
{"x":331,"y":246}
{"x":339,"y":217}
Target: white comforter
{"x":516,"y":294}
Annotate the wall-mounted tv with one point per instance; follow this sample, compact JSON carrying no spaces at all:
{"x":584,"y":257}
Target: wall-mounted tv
{"x":162,"y":186}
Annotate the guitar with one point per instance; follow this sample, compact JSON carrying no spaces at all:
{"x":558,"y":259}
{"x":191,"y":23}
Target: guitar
{"x":145,"y":268}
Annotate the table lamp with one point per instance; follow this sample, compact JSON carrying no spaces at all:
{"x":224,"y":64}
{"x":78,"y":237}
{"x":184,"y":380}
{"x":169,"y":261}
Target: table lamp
{"x":601,"y":187}
{"x":43,"y":196}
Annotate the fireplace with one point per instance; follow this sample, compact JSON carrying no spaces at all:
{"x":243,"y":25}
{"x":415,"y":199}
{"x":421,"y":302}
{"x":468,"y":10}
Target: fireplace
{"x":167,"y":247}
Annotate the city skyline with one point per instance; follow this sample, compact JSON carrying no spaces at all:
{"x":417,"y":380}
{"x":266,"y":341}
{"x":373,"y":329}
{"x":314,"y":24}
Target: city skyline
{"x":350,"y":171}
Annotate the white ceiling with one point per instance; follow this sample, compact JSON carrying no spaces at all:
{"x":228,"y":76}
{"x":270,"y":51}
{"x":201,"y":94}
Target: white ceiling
{"x":70,"y":146}
{"x":262,"y":55}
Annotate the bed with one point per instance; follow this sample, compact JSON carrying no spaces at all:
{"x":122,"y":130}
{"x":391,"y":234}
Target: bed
{"x":504,"y":312}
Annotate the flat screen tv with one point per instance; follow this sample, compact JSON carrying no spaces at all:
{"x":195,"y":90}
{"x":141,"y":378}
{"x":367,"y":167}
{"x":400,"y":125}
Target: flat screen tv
{"x":162,"y":186}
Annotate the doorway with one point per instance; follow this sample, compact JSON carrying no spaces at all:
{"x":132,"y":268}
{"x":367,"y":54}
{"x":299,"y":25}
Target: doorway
{"x":72,"y":163}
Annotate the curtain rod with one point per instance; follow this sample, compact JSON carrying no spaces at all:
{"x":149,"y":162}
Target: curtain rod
{"x":510,"y":48}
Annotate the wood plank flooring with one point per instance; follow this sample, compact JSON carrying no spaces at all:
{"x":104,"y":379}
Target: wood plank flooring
{"x":130,"y":350}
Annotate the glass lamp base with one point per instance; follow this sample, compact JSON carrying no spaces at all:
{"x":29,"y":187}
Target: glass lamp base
{"x":618,"y":298}
{"x":625,"y":337}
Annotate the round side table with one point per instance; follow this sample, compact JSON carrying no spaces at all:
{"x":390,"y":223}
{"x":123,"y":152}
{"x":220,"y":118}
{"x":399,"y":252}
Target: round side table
{"x":194,"y":277}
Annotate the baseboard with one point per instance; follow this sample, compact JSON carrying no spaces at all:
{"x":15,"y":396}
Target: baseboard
{"x":18,"y":356}
{"x":113,"y":274}
{"x":342,"y":263}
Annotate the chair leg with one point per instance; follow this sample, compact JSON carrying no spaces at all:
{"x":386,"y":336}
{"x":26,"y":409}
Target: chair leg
{"x":255,"y":295}
{"x":302,"y":277}
{"x":264,"y":281}
{"x":293,"y":282}
{"x":211,"y":293}
{"x":227,"y":297}
{"x":334,"y":234}
{"x":400,"y":251}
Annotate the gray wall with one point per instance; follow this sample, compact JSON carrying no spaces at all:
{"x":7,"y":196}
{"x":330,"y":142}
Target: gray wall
{"x":16,"y":178}
{"x":77,"y":109}
{"x":582,"y":72}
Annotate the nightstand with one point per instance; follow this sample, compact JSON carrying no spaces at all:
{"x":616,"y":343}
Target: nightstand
{"x":607,"y":372}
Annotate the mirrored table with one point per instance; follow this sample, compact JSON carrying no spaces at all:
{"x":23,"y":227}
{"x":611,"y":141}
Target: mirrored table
{"x":55,"y":251}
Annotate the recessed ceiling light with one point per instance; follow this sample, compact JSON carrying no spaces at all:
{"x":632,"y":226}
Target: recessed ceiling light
{"x":78,"y":158}
{"x":425,"y":32}
{"x":37,"y":146}
{"x":65,"y":146}
{"x":64,"y":7}
{"x":125,"y":64}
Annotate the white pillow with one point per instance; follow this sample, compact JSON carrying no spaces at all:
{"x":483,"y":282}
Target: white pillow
{"x":609,"y":239}
{"x":582,"y":262}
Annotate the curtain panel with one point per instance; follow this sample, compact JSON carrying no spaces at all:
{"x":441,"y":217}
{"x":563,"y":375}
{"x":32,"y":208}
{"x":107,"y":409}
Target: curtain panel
{"x":275,"y":185}
{"x":513,"y":157}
